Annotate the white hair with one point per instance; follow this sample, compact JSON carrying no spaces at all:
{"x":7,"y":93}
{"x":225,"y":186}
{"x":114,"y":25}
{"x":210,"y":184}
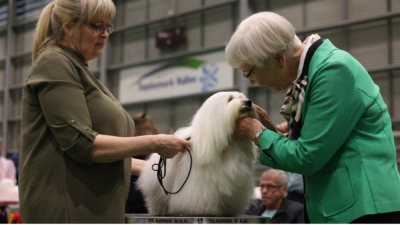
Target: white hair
{"x":259,"y":38}
{"x":221,"y":178}
{"x":282,"y":178}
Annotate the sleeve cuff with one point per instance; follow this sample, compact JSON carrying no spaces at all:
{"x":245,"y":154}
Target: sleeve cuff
{"x":266,"y":140}
{"x":80,"y":151}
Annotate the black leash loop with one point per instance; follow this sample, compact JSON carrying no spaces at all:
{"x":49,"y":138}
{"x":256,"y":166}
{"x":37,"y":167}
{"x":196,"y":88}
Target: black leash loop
{"x":163,"y":163}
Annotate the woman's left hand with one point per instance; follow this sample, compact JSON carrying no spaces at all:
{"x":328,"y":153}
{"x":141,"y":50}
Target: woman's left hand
{"x":264,"y":118}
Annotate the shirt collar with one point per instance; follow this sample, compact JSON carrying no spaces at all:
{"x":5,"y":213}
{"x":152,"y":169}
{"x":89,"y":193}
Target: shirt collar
{"x":309,"y":41}
{"x":73,"y":52}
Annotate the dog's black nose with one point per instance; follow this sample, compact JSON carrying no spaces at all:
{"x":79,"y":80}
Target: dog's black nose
{"x":248,"y":103}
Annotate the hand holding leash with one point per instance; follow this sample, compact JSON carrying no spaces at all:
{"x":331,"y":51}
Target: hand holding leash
{"x":168,"y":146}
{"x":163,"y":163}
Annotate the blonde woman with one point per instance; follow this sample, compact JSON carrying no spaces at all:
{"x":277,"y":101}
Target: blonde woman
{"x":77,"y":140}
{"x":339,"y":135}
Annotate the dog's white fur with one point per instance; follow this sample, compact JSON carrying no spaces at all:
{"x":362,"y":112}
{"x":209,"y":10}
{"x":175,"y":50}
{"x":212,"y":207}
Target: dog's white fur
{"x":221,"y":180}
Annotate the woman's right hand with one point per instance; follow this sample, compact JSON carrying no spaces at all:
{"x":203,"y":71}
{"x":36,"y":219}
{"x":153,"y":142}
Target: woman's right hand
{"x":168,"y":146}
{"x":107,"y":149}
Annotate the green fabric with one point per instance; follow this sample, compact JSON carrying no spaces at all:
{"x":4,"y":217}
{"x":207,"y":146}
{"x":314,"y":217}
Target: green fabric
{"x":346,"y":147}
{"x":64,"y":107}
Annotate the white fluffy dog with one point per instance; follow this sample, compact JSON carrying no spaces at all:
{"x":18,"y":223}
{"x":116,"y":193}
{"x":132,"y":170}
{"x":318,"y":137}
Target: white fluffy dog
{"x":221,"y":180}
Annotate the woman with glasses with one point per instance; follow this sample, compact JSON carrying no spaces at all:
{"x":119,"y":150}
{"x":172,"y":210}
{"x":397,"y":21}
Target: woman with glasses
{"x":77,"y":139}
{"x":339,"y":135}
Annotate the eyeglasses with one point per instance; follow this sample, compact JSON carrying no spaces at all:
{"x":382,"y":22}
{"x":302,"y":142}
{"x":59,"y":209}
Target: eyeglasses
{"x":248,"y":74}
{"x":102,"y":27}
{"x":270,"y":187}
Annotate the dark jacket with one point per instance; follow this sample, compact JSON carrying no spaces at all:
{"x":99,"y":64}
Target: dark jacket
{"x":289,"y":212}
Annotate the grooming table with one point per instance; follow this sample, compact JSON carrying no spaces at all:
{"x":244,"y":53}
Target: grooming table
{"x":146,"y":218}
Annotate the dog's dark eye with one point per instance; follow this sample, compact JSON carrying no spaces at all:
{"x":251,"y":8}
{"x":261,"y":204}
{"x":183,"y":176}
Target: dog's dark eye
{"x":230,"y":99}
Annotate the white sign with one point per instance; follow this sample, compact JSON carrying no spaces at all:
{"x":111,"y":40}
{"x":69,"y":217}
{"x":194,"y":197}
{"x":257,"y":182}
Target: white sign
{"x":191,"y":75}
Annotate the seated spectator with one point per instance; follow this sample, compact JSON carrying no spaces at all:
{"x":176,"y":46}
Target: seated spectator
{"x":7,"y":168}
{"x":273,"y":203}
{"x":15,"y":157}
{"x":295,"y":187}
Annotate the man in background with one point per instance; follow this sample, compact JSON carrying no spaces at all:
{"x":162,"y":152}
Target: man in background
{"x":273,"y":203}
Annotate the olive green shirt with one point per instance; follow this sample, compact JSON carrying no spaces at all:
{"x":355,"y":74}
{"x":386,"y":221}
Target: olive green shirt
{"x":64,"y":107}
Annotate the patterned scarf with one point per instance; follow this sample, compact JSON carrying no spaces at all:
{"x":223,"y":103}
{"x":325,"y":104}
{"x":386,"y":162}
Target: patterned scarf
{"x":291,"y":109}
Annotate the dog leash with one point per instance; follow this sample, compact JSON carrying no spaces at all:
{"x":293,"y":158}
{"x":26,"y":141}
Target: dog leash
{"x":163,"y":163}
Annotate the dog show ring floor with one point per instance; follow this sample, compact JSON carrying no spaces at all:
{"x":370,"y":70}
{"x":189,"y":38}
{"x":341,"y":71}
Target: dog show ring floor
{"x":146,"y":218}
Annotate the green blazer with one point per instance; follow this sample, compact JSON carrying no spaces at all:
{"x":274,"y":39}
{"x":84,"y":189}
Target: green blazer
{"x":346,"y":147}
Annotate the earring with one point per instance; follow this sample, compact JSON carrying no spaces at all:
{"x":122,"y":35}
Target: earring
{"x":281,"y":66}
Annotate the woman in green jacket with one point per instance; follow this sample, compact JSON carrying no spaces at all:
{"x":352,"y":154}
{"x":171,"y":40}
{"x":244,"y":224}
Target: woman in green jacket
{"x":340,"y":135}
